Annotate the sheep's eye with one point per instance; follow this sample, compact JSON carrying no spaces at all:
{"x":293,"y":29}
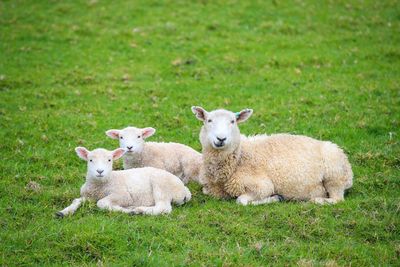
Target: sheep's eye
{"x":121,"y":137}
{"x":232,"y":121}
{"x":209,"y":121}
{"x":109,"y":160}
{"x":91,"y":160}
{"x":138,"y":136}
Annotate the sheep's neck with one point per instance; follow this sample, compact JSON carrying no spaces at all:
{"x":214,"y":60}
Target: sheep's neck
{"x":220,"y":165}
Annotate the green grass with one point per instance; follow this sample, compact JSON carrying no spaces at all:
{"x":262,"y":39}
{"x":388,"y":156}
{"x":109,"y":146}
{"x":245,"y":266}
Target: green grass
{"x":70,"y":70}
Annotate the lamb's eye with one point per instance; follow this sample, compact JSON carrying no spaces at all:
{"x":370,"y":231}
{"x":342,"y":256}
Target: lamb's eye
{"x":138,"y":136}
{"x":232,"y":121}
{"x":109,"y":160}
{"x":209,"y":121}
{"x":91,"y":160}
{"x":121,"y":137}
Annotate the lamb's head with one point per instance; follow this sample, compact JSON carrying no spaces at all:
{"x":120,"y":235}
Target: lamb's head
{"x":220,"y":129}
{"x":99,"y":161}
{"x":131,"y":138}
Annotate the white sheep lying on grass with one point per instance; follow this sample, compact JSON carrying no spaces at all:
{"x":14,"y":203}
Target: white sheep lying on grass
{"x":136,"y":191}
{"x":178,"y":159}
{"x":261,"y":169}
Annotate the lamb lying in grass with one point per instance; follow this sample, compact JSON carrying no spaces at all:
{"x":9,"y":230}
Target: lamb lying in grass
{"x":136,"y":191}
{"x":255,"y":169}
{"x":175,"y":158}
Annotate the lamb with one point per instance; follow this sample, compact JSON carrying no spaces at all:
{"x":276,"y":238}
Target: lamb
{"x":135,"y":191}
{"x":175,"y":158}
{"x":263,"y":169}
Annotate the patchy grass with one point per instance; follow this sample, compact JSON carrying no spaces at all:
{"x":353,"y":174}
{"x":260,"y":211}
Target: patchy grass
{"x":71,"y":70}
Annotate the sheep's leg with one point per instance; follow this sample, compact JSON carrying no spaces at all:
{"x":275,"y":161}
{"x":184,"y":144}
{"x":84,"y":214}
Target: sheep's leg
{"x":246,"y":199}
{"x":162,"y":200}
{"x":338,"y":175}
{"x":258,"y":191}
{"x":271,"y":199}
{"x":76,"y":203}
{"x":161,"y":207}
{"x":211,"y":187}
{"x":336,"y":194}
{"x":335,"y":189}
{"x":107,"y":204}
{"x":216,"y":190}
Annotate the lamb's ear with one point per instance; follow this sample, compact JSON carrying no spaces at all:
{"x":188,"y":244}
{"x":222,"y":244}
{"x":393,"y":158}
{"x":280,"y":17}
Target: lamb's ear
{"x":243,"y":115}
{"x":147,"y":132}
{"x":117,"y":153}
{"x":114,"y":134}
{"x":200,"y":113}
{"x":82,"y":152}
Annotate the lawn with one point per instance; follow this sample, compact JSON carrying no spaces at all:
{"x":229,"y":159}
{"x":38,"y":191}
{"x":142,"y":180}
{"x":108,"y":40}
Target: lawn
{"x":70,"y":70}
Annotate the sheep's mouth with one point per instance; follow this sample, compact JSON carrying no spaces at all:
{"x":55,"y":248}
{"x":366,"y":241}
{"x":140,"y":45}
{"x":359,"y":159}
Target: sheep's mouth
{"x":219,"y":144}
{"x":99,"y":175}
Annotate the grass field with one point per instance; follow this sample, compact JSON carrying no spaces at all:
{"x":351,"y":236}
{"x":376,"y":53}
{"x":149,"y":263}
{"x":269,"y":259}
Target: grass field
{"x":70,"y":70}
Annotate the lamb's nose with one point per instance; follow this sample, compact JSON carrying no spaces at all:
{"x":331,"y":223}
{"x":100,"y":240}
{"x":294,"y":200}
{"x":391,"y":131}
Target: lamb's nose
{"x":221,"y":139}
{"x":100,"y":171}
{"x":129,"y":147}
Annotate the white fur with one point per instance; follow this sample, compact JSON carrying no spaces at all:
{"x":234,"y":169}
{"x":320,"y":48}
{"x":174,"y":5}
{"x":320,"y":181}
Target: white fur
{"x":255,"y":168}
{"x":137,"y":191}
{"x":175,"y":158}
{"x":221,"y":129}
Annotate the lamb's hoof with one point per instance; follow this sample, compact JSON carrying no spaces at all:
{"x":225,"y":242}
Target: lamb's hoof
{"x":186,"y":199}
{"x":280,"y":197}
{"x":59,"y":215}
{"x":136,"y":211}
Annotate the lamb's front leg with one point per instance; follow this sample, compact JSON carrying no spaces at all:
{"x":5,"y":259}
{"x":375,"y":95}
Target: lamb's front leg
{"x":76,"y":203}
{"x":107,"y":204}
{"x":162,"y":207}
{"x":162,"y":200}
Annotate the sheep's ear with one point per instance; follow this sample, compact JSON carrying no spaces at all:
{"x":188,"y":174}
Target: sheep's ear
{"x":200,"y":113}
{"x":114,"y":134}
{"x":147,"y":132}
{"x":117,"y":153}
{"x":82,"y":152}
{"x":243,"y":115}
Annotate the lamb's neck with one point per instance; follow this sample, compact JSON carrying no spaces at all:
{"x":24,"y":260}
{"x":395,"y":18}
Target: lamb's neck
{"x":96,"y":188}
{"x":219,"y":165}
{"x":98,"y":182}
{"x":133,"y":159}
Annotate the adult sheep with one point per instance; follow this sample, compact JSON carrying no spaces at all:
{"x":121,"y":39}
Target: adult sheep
{"x":260,"y":169}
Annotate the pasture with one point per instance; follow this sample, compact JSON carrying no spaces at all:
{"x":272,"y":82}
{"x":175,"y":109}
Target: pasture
{"x":70,"y":70}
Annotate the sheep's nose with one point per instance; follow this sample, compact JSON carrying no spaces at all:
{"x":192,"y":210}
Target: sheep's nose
{"x":129,"y":147}
{"x":221,"y":139}
{"x":100,"y":171}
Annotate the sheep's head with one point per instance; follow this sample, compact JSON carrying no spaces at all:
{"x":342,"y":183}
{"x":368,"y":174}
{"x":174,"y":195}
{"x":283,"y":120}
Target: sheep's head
{"x":220,"y":129}
{"x":131,"y":138}
{"x":99,"y":161}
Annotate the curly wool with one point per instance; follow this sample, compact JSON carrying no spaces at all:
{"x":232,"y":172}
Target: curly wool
{"x":299,"y":168}
{"x":175,"y":158}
